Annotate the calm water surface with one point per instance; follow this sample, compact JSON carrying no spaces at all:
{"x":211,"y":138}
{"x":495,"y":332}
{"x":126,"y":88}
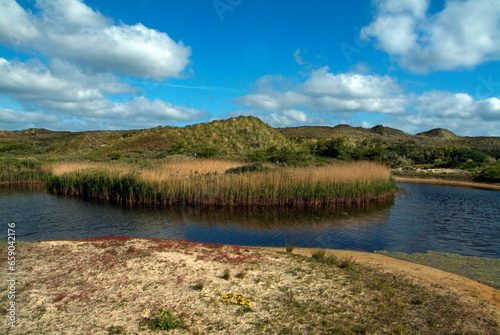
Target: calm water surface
{"x":464,"y":221}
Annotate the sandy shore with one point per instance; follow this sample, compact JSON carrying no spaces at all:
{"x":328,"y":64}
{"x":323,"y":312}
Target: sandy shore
{"x":134,"y":286}
{"x":445,"y":182}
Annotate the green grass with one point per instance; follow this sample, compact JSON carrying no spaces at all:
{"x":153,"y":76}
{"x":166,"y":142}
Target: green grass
{"x":163,"y":321}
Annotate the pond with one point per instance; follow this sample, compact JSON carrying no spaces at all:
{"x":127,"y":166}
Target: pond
{"x":458,"y":220}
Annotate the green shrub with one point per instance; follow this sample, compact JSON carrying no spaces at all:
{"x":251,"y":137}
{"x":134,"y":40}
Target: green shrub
{"x":490,"y":174}
{"x":247,"y":168}
{"x":177,"y":148}
{"x":207,"y":152}
{"x":16,"y":148}
{"x":334,"y":148}
{"x":164,"y":320}
{"x":116,"y":156}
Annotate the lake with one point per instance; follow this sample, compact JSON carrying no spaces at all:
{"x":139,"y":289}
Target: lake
{"x":459,"y":220}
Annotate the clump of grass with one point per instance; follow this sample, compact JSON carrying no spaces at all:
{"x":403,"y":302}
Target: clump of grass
{"x":199,"y":285}
{"x":226,"y":275}
{"x":164,"y":320}
{"x":320,"y":255}
{"x":346,"y":263}
{"x":290,"y":245}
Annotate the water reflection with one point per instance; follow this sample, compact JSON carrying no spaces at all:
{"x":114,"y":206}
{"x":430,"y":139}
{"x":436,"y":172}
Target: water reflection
{"x":429,"y":217}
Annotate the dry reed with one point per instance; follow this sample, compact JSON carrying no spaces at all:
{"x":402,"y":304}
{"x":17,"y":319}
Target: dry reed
{"x":203,"y":182}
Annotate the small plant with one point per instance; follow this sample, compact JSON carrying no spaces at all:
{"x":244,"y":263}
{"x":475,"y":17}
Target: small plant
{"x":226,"y":275}
{"x":199,"y":284}
{"x":238,"y":299}
{"x":319,"y":254}
{"x":164,"y":320}
{"x":112,"y":330}
{"x":347,"y":263}
{"x":290,"y":245}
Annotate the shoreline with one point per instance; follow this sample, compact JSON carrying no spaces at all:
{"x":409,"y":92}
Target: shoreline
{"x":446,"y":182}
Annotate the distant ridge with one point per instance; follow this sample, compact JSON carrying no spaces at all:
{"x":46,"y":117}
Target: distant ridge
{"x":391,"y":136}
{"x":234,"y":137}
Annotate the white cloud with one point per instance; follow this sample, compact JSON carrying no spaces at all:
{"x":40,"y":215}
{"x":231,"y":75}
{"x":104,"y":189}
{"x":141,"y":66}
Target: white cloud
{"x":71,"y":30}
{"x":79,"y":88}
{"x":16,"y":25}
{"x":65,"y":96}
{"x":67,"y":85}
{"x":324,"y":91}
{"x":489,"y":110}
{"x":298,"y":59}
{"x":9,"y":116}
{"x":326,"y":98}
{"x":457,"y":112}
{"x":463,"y":34}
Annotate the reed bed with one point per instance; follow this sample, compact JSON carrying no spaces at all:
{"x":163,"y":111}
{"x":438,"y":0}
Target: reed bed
{"x":202,"y":182}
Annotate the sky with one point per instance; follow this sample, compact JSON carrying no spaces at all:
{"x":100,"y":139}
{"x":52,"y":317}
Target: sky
{"x":413,"y":65}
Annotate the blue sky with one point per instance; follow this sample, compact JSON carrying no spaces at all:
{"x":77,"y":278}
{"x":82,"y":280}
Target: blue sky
{"x":94,"y":65}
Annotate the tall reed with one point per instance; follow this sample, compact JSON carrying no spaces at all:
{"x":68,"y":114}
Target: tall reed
{"x":203,"y":183}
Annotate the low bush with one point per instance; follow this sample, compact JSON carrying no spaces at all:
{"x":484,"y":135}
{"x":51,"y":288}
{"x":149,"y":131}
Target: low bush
{"x":491,"y":174}
{"x":247,"y":168}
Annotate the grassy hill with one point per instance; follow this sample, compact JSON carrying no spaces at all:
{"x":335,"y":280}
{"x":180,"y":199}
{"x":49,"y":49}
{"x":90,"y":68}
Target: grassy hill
{"x":251,"y":139}
{"x":234,"y":137}
{"x":391,"y":136}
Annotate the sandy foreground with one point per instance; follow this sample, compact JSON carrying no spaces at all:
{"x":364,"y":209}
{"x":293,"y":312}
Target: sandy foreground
{"x":138,"y":286}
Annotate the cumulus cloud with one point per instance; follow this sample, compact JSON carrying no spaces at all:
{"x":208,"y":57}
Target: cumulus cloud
{"x":64,"y":92}
{"x":458,"y":112}
{"x":463,"y":34}
{"x":71,"y":30}
{"x":79,"y":87}
{"x":9,"y":116}
{"x":335,"y":93}
{"x":67,"y":86}
{"x":328,"y":99}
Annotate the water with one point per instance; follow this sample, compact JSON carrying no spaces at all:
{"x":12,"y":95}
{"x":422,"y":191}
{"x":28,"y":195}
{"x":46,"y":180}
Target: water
{"x":457,"y":220}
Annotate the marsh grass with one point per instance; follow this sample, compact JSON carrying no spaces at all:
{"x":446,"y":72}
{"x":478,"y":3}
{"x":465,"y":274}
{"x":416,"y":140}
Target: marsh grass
{"x":203,"y":182}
